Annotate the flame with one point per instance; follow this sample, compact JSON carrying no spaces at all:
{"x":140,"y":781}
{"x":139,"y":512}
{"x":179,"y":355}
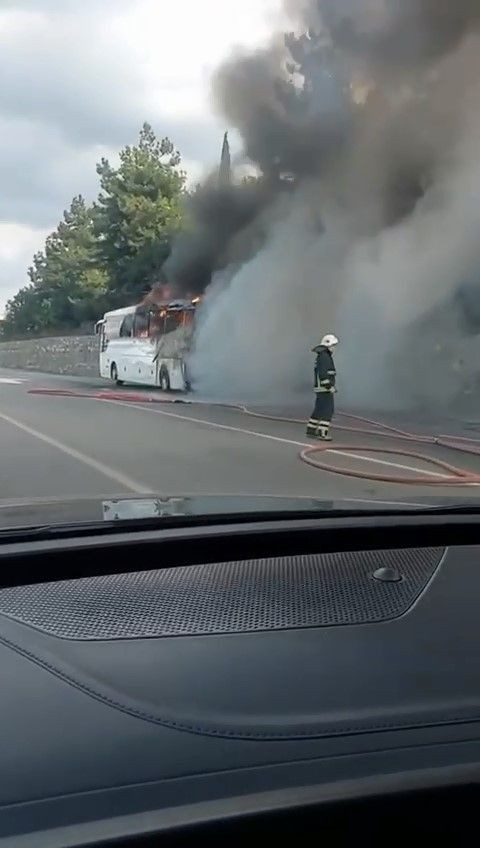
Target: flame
{"x":196,"y":300}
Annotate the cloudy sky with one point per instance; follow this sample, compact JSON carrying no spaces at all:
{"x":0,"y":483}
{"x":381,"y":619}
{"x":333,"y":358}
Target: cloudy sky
{"x":79,"y":77}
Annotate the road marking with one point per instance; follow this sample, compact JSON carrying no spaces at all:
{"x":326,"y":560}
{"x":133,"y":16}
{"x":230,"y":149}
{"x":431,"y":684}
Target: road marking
{"x":9,"y":382}
{"x":208,"y":423}
{"x":277,"y":438}
{"x":111,"y":473}
{"x":391,"y":464}
{"x":380,"y":502}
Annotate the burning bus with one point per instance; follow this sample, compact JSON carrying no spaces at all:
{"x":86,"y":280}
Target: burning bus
{"x":147,"y":344}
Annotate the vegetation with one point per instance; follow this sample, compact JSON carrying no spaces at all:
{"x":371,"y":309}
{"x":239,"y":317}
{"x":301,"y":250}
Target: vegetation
{"x":137,"y":214}
{"x":105,"y":254}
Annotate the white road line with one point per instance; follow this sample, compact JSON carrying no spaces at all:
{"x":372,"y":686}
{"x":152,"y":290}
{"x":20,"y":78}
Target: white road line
{"x":111,"y":473}
{"x":274,"y":438}
{"x":9,"y":382}
{"x":207,"y":423}
{"x":380,"y":502}
{"x":391,"y":464}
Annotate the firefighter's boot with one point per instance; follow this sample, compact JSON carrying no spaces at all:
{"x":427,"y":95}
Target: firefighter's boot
{"x":323,"y":432}
{"x":312,"y":428}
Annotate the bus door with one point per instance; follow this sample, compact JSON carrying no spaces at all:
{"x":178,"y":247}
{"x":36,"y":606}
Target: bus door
{"x":156,"y":327}
{"x":100,"y":331}
{"x":123,"y":350}
{"x":144,"y":348}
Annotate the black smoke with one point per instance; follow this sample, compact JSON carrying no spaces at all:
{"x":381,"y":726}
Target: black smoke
{"x":398,"y":34}
{"x":292,"y":104}
{"x":286,"y":138}
{"x":359,"y":124}
{"x":216,"y":216}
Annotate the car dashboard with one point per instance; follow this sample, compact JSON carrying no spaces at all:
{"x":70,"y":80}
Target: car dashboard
{"x":303,"y":675}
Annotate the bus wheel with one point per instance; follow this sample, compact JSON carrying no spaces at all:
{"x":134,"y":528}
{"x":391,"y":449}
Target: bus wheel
{"x":164,"y":379}
{"x":114,"y":375}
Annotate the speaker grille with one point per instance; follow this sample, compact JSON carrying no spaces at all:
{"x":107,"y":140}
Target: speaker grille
{"x":267,"y":594}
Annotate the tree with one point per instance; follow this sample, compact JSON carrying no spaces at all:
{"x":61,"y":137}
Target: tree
{"x":69,"y":271}
{"x":27,"y":313}
{"x":137,"y":214}
{"x":68,"y":284}
{"x":107,"y":254}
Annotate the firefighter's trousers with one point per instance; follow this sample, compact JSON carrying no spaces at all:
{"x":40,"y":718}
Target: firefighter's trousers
{"x":319,"y":423}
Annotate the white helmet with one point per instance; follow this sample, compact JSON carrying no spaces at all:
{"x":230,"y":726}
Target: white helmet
{"x":329,"y":340}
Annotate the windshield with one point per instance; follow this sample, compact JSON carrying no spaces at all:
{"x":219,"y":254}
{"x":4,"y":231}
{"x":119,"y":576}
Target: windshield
{"x":239,"y":257}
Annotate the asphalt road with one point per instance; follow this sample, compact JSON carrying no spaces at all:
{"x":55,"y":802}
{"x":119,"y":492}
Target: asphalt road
{"x":62,"y":448}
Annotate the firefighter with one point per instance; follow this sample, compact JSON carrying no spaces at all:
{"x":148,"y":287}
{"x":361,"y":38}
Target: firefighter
{"x":325,"y":378}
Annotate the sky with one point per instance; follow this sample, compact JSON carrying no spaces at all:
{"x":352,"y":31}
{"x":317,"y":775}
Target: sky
{"x":78,"y":81}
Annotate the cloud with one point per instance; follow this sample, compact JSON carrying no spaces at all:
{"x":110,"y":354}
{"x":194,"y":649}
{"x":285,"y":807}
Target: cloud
{"x":79,"y":79}
{"x":17,"y":246}
{"x":40,"y":170}
{"x":54,"y":72}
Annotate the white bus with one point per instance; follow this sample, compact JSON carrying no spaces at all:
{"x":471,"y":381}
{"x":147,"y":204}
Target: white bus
{"x":147,"y":344}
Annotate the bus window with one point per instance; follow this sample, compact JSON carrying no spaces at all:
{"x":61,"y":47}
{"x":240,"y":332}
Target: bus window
{"x":126,"y":329}
{"x":173,"y":320}
{"x":112,"y":327}
{"x":140,"y":325}
{"x":188,"y":317}
{"x":157,"y":320}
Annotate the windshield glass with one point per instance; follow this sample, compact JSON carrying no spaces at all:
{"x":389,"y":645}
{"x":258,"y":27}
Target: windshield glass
{"x":239,"y":257}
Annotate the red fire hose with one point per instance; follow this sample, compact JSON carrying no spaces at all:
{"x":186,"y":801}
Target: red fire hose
{"x":448,"y":475}
{"x":454,"y":475}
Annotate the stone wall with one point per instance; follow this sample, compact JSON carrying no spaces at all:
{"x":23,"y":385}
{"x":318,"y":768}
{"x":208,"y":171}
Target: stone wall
{"x":77,"y":355}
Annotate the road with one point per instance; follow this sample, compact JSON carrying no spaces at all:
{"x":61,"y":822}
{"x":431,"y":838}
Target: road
{"x":62,"y":448}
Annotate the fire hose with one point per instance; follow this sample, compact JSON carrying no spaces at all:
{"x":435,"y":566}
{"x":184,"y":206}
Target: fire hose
{"x":454,"y":475}
{"x":447,"y":475}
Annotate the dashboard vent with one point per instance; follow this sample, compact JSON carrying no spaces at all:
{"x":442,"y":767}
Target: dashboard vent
{"x":268,"y":594}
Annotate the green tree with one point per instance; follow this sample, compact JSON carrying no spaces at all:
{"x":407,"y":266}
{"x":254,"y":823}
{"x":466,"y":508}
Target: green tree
{"x":137,"y":214}
{"x":69,"y":272}
{"x":26,"y":313}
{"x":109,"y":253}
{"x":68,"y":285}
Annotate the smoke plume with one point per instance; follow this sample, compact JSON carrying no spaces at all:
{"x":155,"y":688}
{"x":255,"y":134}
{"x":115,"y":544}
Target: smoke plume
{"x":363,"y":125}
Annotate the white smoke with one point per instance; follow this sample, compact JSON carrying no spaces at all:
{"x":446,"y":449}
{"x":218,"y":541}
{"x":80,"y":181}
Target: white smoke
{"x":256,"y":330}
{"x":387,"y":291}
{"x":399,"y":278}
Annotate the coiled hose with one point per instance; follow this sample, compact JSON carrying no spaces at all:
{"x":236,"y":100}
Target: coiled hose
{"x":447,"y":474}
